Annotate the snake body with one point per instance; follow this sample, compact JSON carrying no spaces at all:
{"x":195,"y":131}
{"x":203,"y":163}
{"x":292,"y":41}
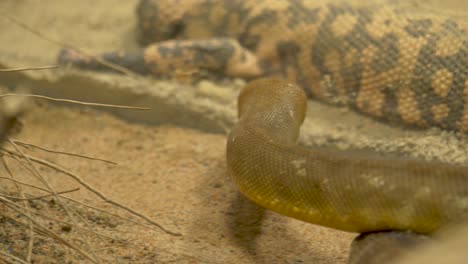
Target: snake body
{"x":375,"y":59}
{"x":368,"y":195}
{"x":331,"y":188}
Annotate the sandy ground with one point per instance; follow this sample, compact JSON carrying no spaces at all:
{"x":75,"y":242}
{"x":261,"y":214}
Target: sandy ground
{"x":171,"y":159}
{"x":177,"y":176}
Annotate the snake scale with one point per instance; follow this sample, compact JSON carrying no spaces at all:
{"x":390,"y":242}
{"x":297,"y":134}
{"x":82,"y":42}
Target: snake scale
{"x":384,"y":63}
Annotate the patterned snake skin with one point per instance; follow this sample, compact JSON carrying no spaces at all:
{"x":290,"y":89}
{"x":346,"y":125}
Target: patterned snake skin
{"x":400,"y":68}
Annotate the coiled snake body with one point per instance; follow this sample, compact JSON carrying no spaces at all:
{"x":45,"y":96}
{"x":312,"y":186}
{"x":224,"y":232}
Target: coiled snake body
{"x":330,"y":188}
{"x":389,"y":65}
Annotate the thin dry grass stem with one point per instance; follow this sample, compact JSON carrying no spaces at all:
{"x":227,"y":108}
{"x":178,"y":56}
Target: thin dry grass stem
{"x":101,"y":195}
{"x":6,"y":261}
{"x":109,"y":213}
{"x":37,"y":197}
{"x":9,"y":115}
{"x":4,"y":254}
{"x":32,"y":170}
{"x":46,"y":231}
{"x":68,"y":209}
{"x":26,"y":205}
{"x":26,"y":184}
{"x":76,"y":102}
{"x":29,"y":68}
{"x":72,"y":200}
{"x":16,"y":156}
{"x":20,"y":162}
{"x":27,"y":145}
{"x":70,"y":212}
{"x":6,"y":153}
{"x":58,"y":220}
{"x":61,"y":44}
{"x":98,"y":193}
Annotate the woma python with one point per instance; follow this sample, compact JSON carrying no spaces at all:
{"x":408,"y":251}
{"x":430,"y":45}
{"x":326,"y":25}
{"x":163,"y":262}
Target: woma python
{"x":365,"y":195}
{"x":375,"y":59}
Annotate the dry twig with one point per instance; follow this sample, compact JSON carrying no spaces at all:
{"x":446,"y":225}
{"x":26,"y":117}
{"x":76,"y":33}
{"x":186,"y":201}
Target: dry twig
{"x":76,"y":102}
{"x":25,"y":204}
{"x":13,"y":258}
{"x":62,"y":44}
{"x":70,"y":211}
{"x":93,"y":190}
{"x":24,"y":144}
{"x":29,"y":68}
{"x":45,"y":230}
{"x":36,"y":197}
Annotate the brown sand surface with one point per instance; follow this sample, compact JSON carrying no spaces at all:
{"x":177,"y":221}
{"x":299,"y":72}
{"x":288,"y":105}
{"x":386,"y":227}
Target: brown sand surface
{"x":174,"y":174}
{"x":178,"y":177}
